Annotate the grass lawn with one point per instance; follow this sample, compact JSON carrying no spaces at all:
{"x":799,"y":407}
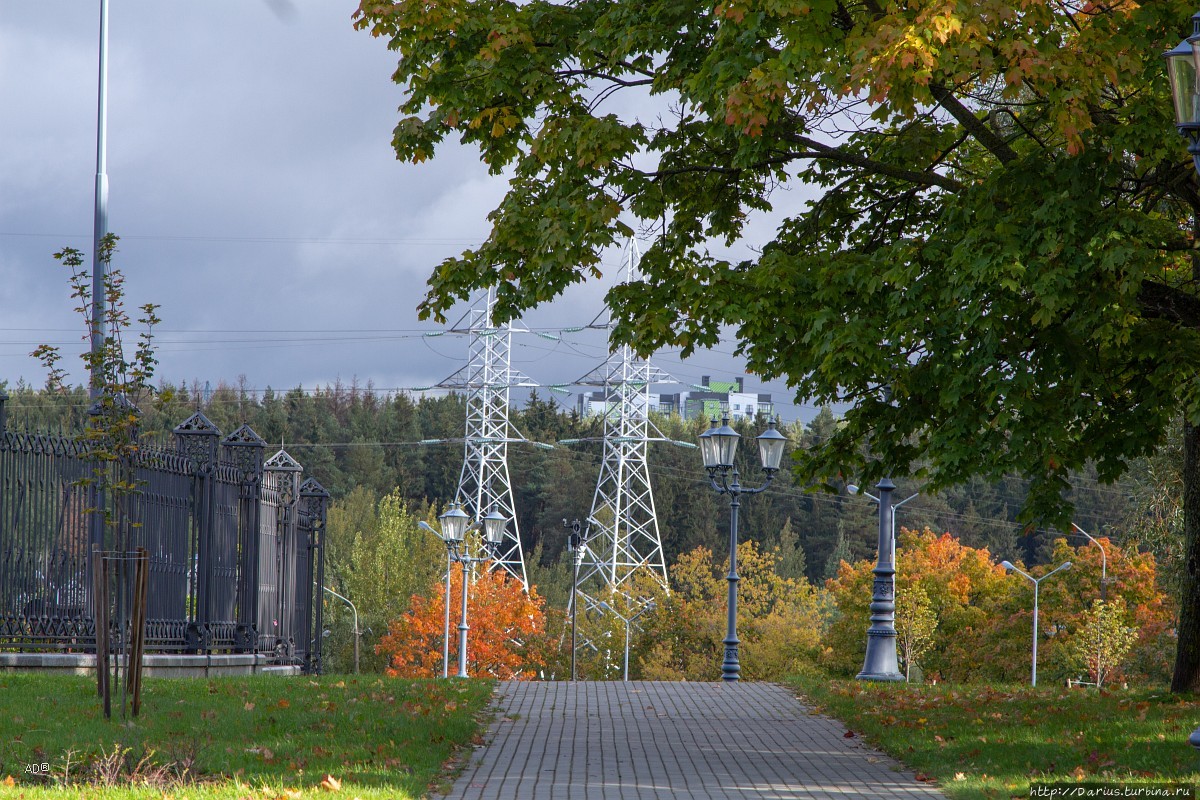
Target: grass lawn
{"x":992,"y":742}
{"x":253,"y":737}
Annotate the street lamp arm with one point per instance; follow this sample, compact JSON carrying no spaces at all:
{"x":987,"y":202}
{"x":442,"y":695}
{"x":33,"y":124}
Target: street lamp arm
{"x":912,"y":496}
{"x":1059,"y":568}
{"x":766,"y":483}
{"x":348,"y":602}
{"x":1013,"y":567}
{"x":1103,"y":556}
{"x":720,"y":488}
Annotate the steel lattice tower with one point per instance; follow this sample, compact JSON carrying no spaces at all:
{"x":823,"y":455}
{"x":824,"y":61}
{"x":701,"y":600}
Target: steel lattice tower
{"x":484,"y":482}
{"x":622,"y":534}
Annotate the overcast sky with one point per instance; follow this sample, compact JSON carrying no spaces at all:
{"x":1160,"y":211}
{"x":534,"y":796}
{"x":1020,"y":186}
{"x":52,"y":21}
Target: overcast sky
{"x":257,"y":198}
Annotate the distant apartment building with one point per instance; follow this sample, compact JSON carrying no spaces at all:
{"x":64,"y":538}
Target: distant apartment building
{"x":709,"y":402}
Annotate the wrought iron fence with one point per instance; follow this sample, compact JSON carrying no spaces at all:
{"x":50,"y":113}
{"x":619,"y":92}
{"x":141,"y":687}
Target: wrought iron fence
{"x":235,"y":542}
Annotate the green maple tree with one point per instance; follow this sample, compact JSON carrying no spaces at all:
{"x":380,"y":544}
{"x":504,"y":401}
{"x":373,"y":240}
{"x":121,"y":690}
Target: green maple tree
{"x":1004,"y":235}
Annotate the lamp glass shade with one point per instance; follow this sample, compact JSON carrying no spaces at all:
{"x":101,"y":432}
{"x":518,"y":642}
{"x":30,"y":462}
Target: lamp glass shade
{"x":1181,"y":71}
{"x":726,"y":439}
{"x":493,"y":527}
{"x":770,"y":447}
{"x":708,"y":447}
{"x":454,"y":524}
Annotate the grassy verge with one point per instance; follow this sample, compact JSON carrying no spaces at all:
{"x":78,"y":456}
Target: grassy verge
{"x":992,"y":742}
{"x":255,"y":737}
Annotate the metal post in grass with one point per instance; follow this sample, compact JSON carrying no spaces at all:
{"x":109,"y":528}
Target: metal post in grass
{"x":1008,"y":565}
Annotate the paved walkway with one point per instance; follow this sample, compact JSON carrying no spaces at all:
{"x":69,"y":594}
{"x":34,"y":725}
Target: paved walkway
{"x":670,"y":741}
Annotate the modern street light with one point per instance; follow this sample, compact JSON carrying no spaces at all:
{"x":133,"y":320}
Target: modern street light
{"x":718,"y":445}
{"x":1008,"y":565}
{"x":576,"y":544}
{"x":455,"y":524}
{"x":650,"y":606}
{"x":357,"y":630}
{"x":1103,"y":560}
{"x":880,"y":663}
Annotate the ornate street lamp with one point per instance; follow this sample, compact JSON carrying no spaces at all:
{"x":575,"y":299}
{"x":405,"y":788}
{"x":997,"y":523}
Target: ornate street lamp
{"x":718,"y":445}
{"x":880,"y":663}
{"x":455,"y":523}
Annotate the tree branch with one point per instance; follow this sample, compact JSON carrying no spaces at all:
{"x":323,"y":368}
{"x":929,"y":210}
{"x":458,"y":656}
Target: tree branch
{"x":821,"y":150}
{"x":973,"y":124}
{"x":1160,"y":301}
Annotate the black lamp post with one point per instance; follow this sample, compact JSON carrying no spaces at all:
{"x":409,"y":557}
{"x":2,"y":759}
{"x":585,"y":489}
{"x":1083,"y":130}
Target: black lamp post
{"x":1183,"y":71}
{"x":717,"y":447}
{"x":880,"y":662}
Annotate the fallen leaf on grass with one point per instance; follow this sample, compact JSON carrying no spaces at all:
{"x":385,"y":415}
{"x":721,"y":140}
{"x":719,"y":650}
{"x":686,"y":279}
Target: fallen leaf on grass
{"x":921,"y":776}
{"x":848,"y":735}
{"x":266,"y":752}
{"x":249,"y":706}
{"x":9,"y":781}
{"x":331,"y":784}
{"x":283,"y":704}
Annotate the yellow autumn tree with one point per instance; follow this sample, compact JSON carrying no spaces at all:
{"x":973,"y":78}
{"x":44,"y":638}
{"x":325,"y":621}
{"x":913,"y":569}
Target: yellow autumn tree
{"x":779,"y":619}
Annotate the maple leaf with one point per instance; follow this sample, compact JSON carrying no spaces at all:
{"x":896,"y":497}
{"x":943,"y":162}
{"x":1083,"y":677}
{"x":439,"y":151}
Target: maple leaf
{"x":331,"y":784}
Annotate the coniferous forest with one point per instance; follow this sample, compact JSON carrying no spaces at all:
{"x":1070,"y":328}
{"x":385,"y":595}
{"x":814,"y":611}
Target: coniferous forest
{"x":390,"y":459}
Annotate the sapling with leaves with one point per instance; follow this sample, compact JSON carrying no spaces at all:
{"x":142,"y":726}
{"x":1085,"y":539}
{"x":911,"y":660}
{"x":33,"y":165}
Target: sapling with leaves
{"x":1103,"y":640}
{"x":119,"y":382}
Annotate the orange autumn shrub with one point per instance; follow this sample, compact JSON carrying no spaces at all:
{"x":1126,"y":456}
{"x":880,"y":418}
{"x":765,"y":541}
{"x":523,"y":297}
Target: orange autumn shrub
{"x":503,"y":622}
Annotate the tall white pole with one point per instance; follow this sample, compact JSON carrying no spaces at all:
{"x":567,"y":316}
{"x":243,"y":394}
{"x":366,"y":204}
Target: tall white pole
{"x":446,"y":628}
{"x":1033,"y":679}
{"x":100,"y":223}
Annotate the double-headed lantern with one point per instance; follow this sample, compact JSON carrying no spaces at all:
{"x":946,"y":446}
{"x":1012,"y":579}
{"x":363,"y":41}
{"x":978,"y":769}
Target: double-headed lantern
{"x":718,"y":445}
{"x":456,"y":523}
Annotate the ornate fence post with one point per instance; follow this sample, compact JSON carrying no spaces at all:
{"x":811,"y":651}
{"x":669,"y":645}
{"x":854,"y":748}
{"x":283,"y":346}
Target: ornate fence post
{"x":285,"y":472}
{"x":315,"y":500}
{"x":246,"y":449}
{"x":198,"y":438}
{"x":3,"y":411}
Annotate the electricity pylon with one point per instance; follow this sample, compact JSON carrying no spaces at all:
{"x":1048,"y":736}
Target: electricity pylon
{"x":622,"y":536}
{"x":487,"y":380}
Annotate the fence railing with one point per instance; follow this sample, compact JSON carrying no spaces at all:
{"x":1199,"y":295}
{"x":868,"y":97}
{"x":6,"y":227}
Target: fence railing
{"x":235,"y":542}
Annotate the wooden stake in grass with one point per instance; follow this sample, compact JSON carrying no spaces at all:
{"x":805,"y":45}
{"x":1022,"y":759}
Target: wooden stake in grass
{"x":137,"y":627}
{"x":100,"y":618}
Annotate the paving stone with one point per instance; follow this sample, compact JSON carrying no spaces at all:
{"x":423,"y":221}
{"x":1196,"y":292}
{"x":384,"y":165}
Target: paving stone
{"x":670,"y":741}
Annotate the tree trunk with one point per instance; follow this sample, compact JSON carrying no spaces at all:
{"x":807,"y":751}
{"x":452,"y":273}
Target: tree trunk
{"x":1187,"y":656}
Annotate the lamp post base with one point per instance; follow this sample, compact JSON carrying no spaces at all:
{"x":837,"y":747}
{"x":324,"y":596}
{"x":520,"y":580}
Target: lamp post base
{"x":731,"y":668}
{"x":880,"y":663}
